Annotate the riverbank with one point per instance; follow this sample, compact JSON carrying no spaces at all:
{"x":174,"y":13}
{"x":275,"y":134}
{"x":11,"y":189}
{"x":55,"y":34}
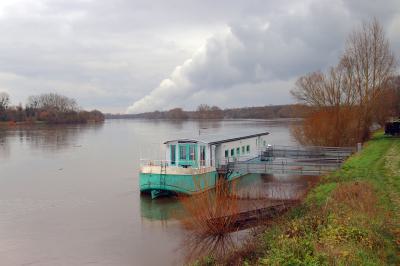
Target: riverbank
{"x":11,"y":124}
{"x":351,"y":218}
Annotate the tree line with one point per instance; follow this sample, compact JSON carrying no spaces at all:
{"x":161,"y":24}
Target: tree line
{"x":359,"y":93}
{"x":205,"y":111}
{"x":49,"y":108}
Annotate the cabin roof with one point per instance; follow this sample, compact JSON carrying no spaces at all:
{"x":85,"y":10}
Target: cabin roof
{"x":185,"y":141}
{"x":216,"y":142}
{"x":238,"y":138}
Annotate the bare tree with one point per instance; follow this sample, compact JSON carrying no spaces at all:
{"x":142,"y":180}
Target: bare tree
{"x":52,"y":101}
{"x":176,"y":113}
{"x":395,"y":85}
{"x":355,"y":86}
{"x":4,"y":101}
{"x":369,"y":63}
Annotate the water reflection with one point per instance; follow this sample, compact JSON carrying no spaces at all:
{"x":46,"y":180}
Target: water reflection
{"x":161,"y":209}
{"x":274,"y":187}
{"x":45,"y":172}
{"x":48,"y":138}
{"x":254,"y":190}
{"x":4,"y":146}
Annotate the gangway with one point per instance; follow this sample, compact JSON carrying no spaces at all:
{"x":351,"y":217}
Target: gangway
{"x":290,"y":160}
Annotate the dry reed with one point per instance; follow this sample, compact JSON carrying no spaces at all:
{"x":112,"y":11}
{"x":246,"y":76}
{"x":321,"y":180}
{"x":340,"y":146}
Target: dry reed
{"x":359,"y":196}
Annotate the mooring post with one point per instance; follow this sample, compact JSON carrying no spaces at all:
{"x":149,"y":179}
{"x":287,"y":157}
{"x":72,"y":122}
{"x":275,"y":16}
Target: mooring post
{"x":359,"y":146}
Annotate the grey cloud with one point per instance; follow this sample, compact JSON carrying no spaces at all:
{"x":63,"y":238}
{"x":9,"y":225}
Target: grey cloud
{"x":260,"y":51}
{"x":108,"y":54}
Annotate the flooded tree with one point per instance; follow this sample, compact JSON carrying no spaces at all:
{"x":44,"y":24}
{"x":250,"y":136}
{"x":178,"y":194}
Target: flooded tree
{"x":176,"y":113}
{"x":4,"y":101}
{"x":347,"y":98}
{"x":205,"y":111}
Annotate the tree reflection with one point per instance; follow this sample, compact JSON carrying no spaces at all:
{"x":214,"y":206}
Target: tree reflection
{"x":51,"y":138}
{"x":4,"y":146}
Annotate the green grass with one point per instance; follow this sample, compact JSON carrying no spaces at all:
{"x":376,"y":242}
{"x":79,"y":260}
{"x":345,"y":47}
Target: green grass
{"x":350,"y":218}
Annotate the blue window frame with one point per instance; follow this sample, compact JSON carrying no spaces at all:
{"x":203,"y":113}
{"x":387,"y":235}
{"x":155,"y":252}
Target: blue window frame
{"x":182,"y":152}
{"x":192,"y":152}
{"x":173,"y":154}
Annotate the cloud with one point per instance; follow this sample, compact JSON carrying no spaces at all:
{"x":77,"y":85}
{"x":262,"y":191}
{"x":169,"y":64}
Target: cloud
{"x":252,"y":51}
{"x":161,"y":54}
{"x":257,"y":52}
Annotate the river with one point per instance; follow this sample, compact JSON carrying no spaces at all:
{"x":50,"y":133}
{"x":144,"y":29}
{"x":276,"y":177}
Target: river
{"x":69,"y":195}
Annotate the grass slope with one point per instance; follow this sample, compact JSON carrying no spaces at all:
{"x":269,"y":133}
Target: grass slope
{"x":350,"y":218}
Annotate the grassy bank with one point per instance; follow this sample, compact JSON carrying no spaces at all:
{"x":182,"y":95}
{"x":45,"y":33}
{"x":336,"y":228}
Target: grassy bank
{"x":351,"y":218}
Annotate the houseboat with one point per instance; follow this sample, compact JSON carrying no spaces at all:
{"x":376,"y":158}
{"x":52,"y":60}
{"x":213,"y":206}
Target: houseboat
{"x":191,"y":165}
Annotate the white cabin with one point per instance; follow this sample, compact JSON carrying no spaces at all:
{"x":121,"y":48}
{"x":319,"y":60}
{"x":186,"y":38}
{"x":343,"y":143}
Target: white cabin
{"x":191,"y":153}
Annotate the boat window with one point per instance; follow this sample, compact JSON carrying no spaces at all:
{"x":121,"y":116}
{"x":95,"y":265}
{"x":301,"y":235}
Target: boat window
{"x":243,"y":149}
{"x":226,"y":153}
{"x":265,"y":143}
{"x":248,"y":148}
{"x":173,"y":154}
{"x":182,"y":152}
{"x":237,"y":151}
{"x":202,"y":155}
{"x":192,"y":153}
{"x":232,"y":152}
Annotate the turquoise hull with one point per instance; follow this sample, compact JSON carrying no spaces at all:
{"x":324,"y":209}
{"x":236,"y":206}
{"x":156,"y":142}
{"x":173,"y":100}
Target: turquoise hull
{"x":157,"y":184}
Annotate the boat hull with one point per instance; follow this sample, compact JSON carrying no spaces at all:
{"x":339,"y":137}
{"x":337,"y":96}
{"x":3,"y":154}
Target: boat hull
{"x":156,"y":183}
{"x":160,"y":184}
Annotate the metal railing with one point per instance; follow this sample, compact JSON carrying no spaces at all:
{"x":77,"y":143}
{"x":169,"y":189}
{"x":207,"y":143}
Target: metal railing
{"x":169,"y":163}
{"x":309,"y":160}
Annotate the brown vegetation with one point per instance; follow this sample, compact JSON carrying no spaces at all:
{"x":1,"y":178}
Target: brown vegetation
{"x":349,"y":216}
{"x":358,"y":196}
{"x":352,"y":96}
{"x":49,"y":108}
{"x":210,"y":217}
{"x":205,"y":207}
{"x":215,"y":216}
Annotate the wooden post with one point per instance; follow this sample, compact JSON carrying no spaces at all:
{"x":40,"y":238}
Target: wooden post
{"x":359,"y":147}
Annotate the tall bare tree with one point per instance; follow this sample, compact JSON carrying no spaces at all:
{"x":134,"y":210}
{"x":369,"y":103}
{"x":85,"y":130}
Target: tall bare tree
{"x":369,"y":64}
{"x":355,"y":86}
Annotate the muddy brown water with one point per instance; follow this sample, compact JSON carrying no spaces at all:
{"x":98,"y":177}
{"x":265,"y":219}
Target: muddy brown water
{"x":69,"y":194}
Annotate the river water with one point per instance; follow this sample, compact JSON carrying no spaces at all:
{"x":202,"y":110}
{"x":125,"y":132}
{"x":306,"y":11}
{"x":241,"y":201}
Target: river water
{"x":69,"y":195}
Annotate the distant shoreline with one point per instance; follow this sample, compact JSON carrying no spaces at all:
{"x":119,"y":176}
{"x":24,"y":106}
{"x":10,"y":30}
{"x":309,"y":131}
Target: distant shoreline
{"x":294,"y":119}
{"x":205,"y":112}
{"x":9,"y":124}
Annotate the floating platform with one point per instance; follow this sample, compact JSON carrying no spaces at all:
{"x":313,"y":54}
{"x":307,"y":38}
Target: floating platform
{"x":194,"y":166}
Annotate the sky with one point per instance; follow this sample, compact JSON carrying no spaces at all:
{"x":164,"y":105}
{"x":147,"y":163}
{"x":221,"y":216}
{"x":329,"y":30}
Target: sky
{"x":128,"y":56}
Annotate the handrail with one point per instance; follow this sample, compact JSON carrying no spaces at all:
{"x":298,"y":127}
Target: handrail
{"x":168,"y":163}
